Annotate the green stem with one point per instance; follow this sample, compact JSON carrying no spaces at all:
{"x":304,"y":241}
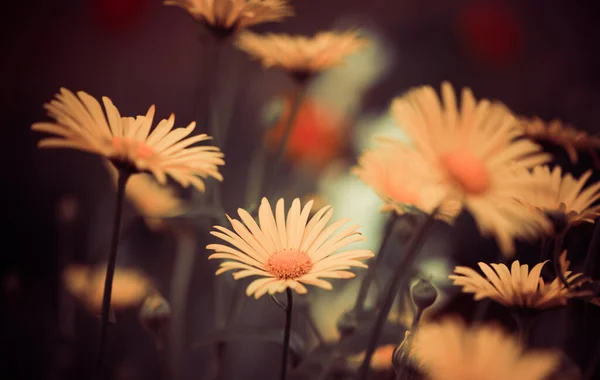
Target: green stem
{"x":369,"y":276}
{"x":287,"y":132}
{"x":286,"y":334}
{"x":398,"y":282}
{"x":122,"y":177}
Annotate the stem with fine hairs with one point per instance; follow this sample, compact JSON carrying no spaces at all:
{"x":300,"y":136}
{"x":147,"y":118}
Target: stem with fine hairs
{"x":287,"y":132}
{"x":370,"y":275}
{"x":401,"y":276}
{"x":122,"y":177}
{"x":286,"y":335}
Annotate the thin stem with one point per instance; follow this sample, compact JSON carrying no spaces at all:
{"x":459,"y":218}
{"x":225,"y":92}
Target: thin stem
{"x":590,"y":256}
{"x":286,"y":334}
{"x":163,"y":361}
{"x":122,"y":177}
{"x":417,"y":318}
{"x":287,"y":132}
{"x":558,"y":243}
{"x":366,"y":280}
{"x":398,"y":282}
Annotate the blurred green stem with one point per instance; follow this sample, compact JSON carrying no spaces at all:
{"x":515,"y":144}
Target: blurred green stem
{"x":287,"y":132}
{"x":286,"y":334}
{"x":401,"y":276}
{"x":122,"y":177}
{"x":370,"y":275}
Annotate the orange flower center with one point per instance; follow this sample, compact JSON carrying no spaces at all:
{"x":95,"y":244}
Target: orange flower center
{"x":289,"y":264}
{"x":467,"y":170}
{"x":131,"y":148}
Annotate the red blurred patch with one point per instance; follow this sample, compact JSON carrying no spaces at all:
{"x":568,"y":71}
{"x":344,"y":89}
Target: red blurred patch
{"x":317,"y":138}
{"x":491,"y":32}
{"x":117,"y":15}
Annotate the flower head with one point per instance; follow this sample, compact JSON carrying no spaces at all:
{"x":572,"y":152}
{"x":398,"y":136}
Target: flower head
{"x":449,"y":350}
{"x":566,"y":195}
{"x":127,"y":142}
{"x":556,"y":132}
{"x":403,"y":180}
{"x":474,"y":155}
{"x":301,"y":56}
{"x":225,"y":17}
{"x":287,"y":252}
{"x":86,"y":284}
{"x":380,"y":361}
{"x":518,"y":287}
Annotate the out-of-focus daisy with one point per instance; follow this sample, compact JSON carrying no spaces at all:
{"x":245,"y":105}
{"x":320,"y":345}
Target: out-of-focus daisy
{"x":380,"y":361}
{"x":86,"y":283}
{"x":127,"y":142}
{"x":153,"y":201}
{"x":473,"y":152}
{"x":518,"y":287}
{"x":556,"y":132}
{"x":449,"y":350}
{"x":287,"y":252}
{"x":301,"y":56}
{"x":566,"y":195}
{"x":402,"y":179}
{"x":225,"y":17}
{"x":317,"y":136}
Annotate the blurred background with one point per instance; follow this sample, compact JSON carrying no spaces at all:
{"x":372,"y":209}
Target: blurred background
{"x":538,"y":57}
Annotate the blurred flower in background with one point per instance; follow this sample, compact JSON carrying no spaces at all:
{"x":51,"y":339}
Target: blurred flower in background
{"x":449,"y":350}
{"x":86,"y":284}
{"x":225,"y":17}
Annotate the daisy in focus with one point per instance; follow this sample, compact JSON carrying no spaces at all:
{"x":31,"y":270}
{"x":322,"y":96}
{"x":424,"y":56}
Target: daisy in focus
{"x":474,"y":155}
{"x":287,"y":251}
{"x":450,"y":350}
{"x":226,"y":17}
{"x":86,"y":284}
{"x":127,"y":142}
{"x":518,"y":287}
{"x":402,"y":180}
{"x":568,"y":195}
{"x":301,"y":56}
{"x":556,"y":132}
{"x":151,"y":200}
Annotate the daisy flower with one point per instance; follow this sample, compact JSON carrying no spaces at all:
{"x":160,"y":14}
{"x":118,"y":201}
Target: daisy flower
{"x":473,"y":153}
{"x":402,"y":180}
{"x":518,"y":287}
{"x":225,"y":17}
{"x":449,"y":350}
{"x":556,"y":132}
{"x":301,"y":56}
{"x":127,"y":142}
{"x":287,"y":251}
{"x":567,"y":195}
{"x":86,"y":284}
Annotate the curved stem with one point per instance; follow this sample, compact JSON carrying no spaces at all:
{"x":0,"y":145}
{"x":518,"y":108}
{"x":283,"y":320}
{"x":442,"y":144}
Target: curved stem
{"x":286,"y":334}
{"x":287,"y":132}
{"x":558,"y":243}
{"x":122,"y":177}
{"x":398,"y":282}
{"x":366,"y":281}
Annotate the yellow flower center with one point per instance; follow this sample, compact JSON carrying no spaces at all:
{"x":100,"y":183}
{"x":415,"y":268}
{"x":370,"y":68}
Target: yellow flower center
{"x":467,"y":170}
{"x":126,"y":147}
{"x":289,"y":264}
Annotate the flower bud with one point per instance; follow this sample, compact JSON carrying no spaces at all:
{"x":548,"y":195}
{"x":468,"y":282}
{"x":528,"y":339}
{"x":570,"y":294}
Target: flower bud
{"x":423,"y":294}
{"x":155,"y":313}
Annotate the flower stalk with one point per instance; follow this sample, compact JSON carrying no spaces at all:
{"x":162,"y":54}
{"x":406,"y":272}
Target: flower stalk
{"x":398,"y":282}
{"x":370,"y":275}
{"x":286,"y":335}
{"x":122,"y":177}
